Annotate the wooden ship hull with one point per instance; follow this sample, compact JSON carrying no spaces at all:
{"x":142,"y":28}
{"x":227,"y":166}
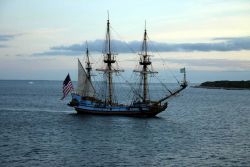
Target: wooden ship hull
{"x":121,"y":112}
{"x":89,"y":105}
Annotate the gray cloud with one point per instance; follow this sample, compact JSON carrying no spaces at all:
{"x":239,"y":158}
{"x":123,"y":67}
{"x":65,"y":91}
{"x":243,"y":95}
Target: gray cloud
{"x":217,"y":63}
{"x":217,"y":44}
{"x":3,"y":46}
{"x":94,"y":46}
{"x":4,"y":37}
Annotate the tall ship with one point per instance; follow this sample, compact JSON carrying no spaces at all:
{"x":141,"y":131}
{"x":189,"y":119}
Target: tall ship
{"x":85,"y":99}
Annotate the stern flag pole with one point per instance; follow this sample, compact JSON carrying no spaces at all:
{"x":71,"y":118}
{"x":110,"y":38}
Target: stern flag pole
{"x":67,"y":86}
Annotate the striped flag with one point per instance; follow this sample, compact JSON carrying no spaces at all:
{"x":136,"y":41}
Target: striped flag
{"x":67,"y":86}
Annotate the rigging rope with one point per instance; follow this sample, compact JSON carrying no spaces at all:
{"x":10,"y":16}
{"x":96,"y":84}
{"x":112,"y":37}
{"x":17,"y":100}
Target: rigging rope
{"x":164,"y":64}
{"x":164,"y":85}
{"x":130,"y":48}
{"x":132,"y":88}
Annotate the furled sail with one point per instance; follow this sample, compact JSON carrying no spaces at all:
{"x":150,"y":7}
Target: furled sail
{"x":84,"y":85}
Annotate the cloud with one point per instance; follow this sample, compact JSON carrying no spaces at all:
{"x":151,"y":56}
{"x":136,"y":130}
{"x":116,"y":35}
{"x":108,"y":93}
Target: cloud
{"x":5,"y":38}
{"x":217,"y":44}
{"x":94,"y":46}
{"x":223,"y":64}
{"x":3,"y":46}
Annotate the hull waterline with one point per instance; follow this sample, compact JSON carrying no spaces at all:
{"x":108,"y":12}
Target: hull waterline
{"x":119,"y":113}
{"x":89,"y":105}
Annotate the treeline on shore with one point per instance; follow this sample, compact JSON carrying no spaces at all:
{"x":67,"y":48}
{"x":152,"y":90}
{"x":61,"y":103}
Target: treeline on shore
{"x":227,"y":84}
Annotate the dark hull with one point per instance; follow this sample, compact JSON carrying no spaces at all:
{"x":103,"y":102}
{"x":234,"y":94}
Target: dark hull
{"x":151,"y":113}
{"x":86,"y":105}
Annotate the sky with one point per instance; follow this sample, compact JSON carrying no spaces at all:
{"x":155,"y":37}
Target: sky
{"x":42,"y":39}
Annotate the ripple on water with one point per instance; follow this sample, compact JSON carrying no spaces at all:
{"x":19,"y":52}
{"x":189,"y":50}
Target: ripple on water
{"x":200,"y":128}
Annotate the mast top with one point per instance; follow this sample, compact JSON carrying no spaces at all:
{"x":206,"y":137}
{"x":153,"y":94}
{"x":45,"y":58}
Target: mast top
{"x":108,"y":15}
{"x":88,"y":65}
{"x":145,"y":30}
{"x":87,"y":48}
{"x":86,"y":42}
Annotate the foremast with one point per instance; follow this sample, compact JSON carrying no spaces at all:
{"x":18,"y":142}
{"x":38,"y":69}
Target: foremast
{"x":145,"y":62}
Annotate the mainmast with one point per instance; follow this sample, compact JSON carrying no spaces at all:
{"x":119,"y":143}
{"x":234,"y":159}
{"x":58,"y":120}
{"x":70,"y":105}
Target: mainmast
{"x":109,"y":60}
{"x":145,"y":62}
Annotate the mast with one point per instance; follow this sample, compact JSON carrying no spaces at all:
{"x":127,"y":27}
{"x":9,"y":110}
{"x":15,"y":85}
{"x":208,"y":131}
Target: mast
{"x":144,"y":61}
{"x":184,"y":79}
{"x":109,"y":60}
{"x":88,"y":65}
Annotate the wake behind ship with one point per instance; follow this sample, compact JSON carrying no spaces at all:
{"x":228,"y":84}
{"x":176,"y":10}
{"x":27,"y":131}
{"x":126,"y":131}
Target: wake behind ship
{"x":86,"y":100}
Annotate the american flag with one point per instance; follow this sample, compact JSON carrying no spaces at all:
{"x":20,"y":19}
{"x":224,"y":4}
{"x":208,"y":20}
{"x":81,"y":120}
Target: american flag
{"x":67,"y":86}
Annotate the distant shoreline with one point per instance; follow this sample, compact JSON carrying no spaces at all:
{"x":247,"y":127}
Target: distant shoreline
{"x":228,"y":85}
{"x":207,"y":87}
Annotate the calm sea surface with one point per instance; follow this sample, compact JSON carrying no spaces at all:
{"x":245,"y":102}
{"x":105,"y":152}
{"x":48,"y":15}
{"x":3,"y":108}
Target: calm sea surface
{"x":201,"y":127}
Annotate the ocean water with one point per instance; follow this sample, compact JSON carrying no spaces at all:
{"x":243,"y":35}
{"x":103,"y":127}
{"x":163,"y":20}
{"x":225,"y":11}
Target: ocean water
{"x":201,"y":127}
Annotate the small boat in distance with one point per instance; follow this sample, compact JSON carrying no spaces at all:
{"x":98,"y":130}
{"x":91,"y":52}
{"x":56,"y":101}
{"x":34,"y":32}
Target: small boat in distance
{"x":86,"y":101}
